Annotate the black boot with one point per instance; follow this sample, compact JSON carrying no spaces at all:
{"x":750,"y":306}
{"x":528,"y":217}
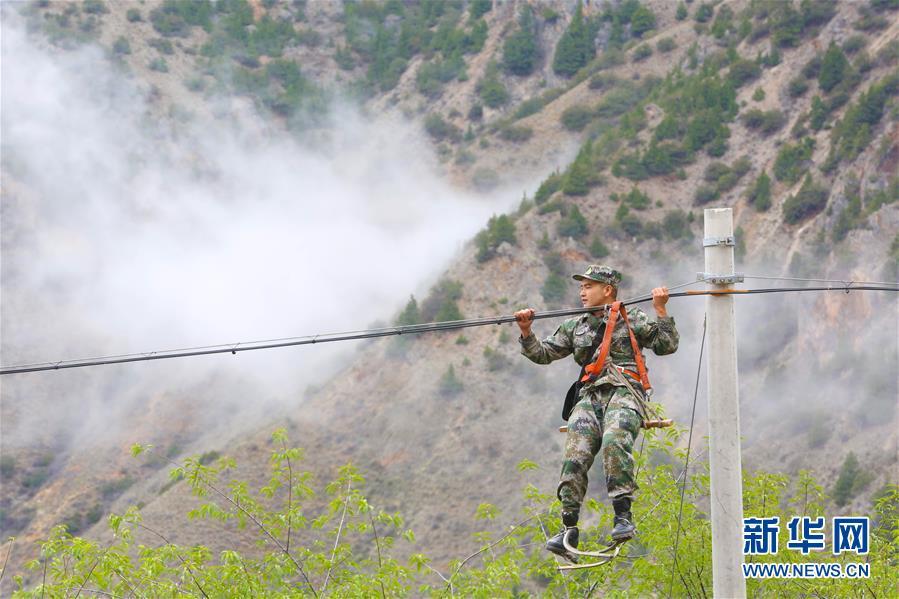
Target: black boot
{"x":557,"y":545}
{"x":624,"y":525}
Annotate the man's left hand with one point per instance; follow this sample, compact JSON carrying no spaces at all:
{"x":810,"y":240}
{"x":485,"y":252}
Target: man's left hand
{"x":659,"y":299}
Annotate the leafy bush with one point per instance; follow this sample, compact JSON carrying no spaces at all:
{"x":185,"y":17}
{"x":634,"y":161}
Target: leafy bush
{"x":515,"y":133}
{"x":575,"y":118}
{"x":765,"y":121}
{"x":706,"y":193}
{"x":94,"y":7}
{"x":410,"y":314}
{"x":500,"y":229}
{"x":175,"y":17}
{"x":162,"y":45}
{"x":637,"y":200}
{"x":808,"y":201}
{"x":159,"y":64}
{"x":598,"y":249}
{"x":797,"y":87}
{"x":666,"y":44}
{"x":491,"y":90}
{"x":574,"y":224}
{"x":743,"y":71}
{"x":676,"y":224}
{"x":121,"y":46}
{"x":791,"y":158}
{"x":759,"y":194}
{"x":681,"y":13}
{"x":440,"y":129}
{"x":549,"y":186}
{"x":641,"y":52}
{"x":133,"y":15}
{"x":440,"y":305}
{"x":704,"y":13}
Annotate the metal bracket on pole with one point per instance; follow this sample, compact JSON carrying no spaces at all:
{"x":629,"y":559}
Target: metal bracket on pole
{"x":720,"y":279}
{"x":716,"y":241}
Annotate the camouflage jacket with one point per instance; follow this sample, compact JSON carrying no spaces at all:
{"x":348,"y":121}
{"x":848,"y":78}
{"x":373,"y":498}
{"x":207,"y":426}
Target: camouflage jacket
{"x":577,"y":335}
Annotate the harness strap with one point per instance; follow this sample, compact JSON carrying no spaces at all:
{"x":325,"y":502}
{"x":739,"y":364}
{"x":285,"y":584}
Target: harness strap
{"x":638,"y":355}
{"x":592,"y":371}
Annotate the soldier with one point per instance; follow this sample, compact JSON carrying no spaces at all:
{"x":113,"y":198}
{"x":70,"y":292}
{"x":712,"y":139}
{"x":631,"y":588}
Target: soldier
{"x":609,"y":408}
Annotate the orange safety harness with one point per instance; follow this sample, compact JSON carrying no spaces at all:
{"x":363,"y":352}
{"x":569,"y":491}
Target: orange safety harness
{"x":592,"y":371}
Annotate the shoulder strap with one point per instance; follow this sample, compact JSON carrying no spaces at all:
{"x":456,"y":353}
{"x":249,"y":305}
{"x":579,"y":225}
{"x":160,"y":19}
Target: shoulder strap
{"x":638,"y":355}
{"x":593,"y":370}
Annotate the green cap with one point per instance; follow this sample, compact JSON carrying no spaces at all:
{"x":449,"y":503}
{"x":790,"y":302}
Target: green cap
{"x":600,"y":274}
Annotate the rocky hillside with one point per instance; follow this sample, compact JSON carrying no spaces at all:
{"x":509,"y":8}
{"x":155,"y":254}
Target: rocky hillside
{"x":640,"y":114}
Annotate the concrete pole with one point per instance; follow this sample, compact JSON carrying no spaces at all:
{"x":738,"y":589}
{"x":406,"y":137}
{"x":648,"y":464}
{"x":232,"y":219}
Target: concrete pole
{"x":724,"y":410}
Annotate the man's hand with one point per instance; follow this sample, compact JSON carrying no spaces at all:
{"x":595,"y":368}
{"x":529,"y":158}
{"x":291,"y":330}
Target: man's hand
{"x":659,"y":299}
{"x":525,"y":318}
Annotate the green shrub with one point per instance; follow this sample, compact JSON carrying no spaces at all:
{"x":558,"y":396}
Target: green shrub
{"x":439,"y":129}
{"x":450,"y":385}
{"x":842,"y":490}
{"x":743,"y":71}
{"x":598,"y":249}
{"x":549,"y":186}
{"x":641,"y":52}
{"x":491,"y":90}
{"x":159,"y":64}
{"x":574,"y":224}
{"x":515,"y":134}
{"x":500,"y":229}
{"x":797,"y":87}
{"x":440,"y":305}
{"x":676,"y":224}
{"x":706,"y":193}
{"x":642,"y":20}
{"x":121,"y":46}
{"x":637,"y":200}
{"x":116,"y":487}
{"x":575,"y":118}
{"x":759,"y":194}
{"x":133,"y":15}
{"x":704,"y":13}
{"x":791,"y":158}
{"x":808,"y":201}
{"x":681,"y":13}
{"x":765,"y":121}
{"x":410,"y":315}
{"x":854,"y":44}
{"x":162,"y":45}
{"x":94,"y":7}
{"x":666,"y":45}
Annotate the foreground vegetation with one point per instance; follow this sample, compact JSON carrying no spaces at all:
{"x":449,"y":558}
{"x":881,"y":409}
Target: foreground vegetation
{"x":351,"y":548}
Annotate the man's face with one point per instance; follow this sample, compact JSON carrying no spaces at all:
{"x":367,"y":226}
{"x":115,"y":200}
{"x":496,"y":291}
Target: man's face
{"x":595,"y":294}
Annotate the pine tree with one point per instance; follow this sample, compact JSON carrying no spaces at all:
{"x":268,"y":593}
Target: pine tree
{"x":575,"y":48}
{"x":579,"y":174}
{"x":410,"y":314}
{"x":520,"y":50}
{"x":833,"y":67}
{"x":642,"y":20}
{"x":760,"y":193}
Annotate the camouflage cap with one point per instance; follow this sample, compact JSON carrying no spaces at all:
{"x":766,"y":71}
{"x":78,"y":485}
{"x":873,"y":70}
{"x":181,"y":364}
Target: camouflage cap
{"x":600,"y":274}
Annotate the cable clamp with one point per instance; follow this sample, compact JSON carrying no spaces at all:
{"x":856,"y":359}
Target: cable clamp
{"x":720,"y":279}
{"x":716,"y":241}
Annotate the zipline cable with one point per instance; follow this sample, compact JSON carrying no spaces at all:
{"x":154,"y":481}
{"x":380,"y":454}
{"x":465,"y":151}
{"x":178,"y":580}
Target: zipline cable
{"x":452,"y":325}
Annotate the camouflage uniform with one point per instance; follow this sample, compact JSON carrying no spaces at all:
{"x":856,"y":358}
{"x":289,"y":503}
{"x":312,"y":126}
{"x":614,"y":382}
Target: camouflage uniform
{"x":606,"y":415}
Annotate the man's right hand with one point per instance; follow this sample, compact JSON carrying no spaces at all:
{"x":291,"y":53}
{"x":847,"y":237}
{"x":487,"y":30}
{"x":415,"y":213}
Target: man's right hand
{"x":525,"y":318}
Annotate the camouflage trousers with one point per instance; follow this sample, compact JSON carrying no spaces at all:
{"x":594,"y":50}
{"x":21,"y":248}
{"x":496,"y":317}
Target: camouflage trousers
{"x":591,"y":428}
